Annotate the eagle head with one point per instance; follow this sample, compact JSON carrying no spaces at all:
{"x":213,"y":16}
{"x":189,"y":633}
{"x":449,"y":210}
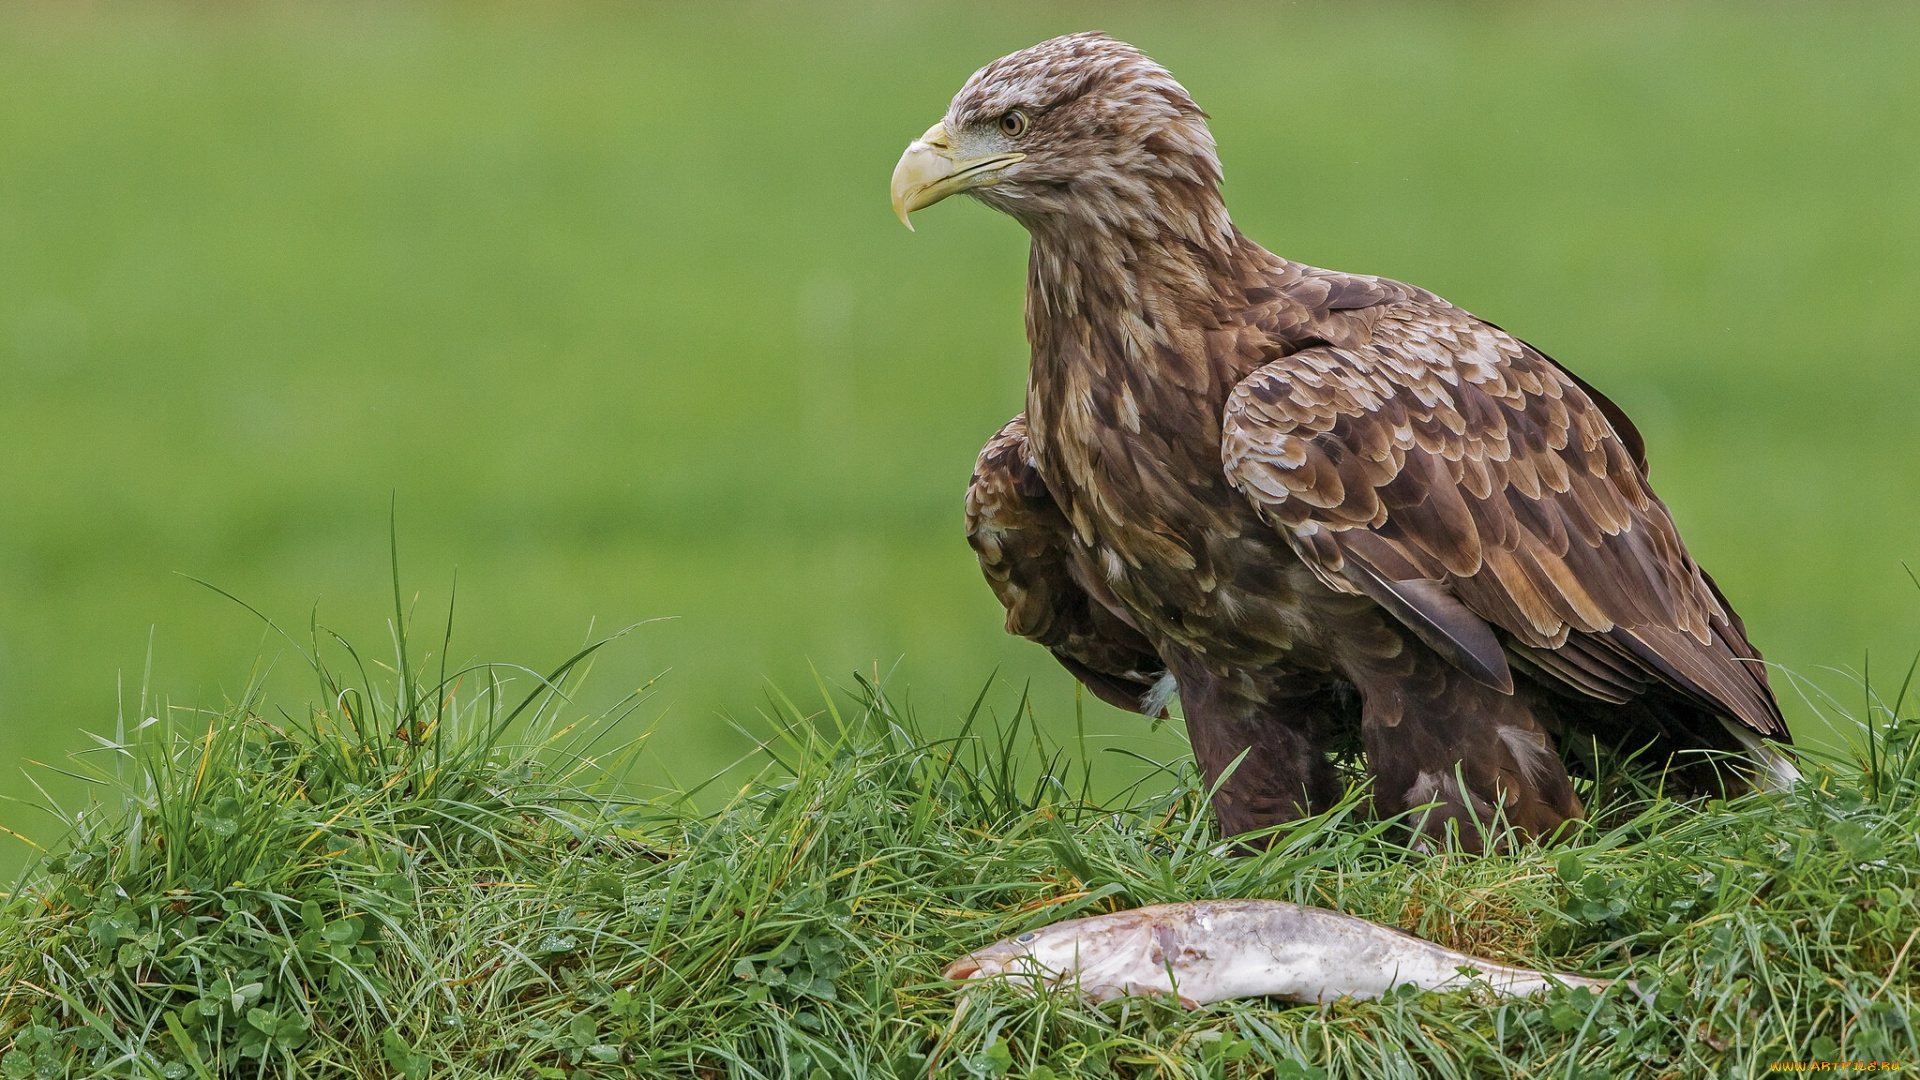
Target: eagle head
{"x":1078,"y":131}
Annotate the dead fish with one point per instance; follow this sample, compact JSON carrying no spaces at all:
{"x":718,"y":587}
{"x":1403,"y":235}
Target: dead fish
{"x":1212,"y":950}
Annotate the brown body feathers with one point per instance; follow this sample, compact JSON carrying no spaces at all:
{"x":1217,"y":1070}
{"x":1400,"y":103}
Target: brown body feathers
{"x":1321,"y":502}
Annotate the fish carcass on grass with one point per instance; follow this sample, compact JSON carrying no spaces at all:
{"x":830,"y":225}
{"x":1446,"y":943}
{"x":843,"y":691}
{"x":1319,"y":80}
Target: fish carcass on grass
{"x":1212,"y":950}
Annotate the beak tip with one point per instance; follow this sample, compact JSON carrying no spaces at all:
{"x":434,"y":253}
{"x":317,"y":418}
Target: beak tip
{"x":902,"y":206}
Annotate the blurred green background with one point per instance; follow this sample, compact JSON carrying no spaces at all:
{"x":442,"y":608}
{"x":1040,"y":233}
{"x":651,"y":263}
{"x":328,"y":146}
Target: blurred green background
{"x":609,"y":300}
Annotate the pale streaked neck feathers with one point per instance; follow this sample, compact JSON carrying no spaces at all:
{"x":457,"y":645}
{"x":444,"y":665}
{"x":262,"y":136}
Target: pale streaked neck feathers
{"x":1122,"y":192}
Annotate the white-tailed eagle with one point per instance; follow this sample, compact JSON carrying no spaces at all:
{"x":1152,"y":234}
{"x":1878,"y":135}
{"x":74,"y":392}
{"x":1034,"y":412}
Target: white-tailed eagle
{"x":1315,"y":502}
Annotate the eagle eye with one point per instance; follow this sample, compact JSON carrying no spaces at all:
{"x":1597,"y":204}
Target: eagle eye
{"x":1015,"y":124}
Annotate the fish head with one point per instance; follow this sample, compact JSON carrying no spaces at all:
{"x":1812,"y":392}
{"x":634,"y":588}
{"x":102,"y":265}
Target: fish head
{"x":1066,"y":950}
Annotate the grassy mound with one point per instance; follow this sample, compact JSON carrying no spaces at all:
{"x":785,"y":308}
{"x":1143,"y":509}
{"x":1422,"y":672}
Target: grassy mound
{"x":383,"y":884}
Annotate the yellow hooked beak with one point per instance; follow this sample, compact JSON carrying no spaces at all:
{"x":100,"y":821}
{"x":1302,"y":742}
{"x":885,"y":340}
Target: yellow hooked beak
{"x":929,"y":172}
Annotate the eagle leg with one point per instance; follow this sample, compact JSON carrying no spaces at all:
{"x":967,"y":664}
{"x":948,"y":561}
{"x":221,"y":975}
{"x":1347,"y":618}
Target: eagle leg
{"x":1286,"y":773}
{"x":1460,"y":755}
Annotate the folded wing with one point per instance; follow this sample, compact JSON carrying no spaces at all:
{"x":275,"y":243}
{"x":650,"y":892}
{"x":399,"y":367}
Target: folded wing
{"x":1021,"y":539}
{"x":1465,"y":482}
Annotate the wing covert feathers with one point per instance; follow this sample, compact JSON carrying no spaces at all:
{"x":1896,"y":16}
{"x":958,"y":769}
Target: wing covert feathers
{"x":1442,"y":451}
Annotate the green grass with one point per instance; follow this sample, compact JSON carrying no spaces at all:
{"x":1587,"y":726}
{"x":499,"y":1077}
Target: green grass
{"x":434,"y":872}
{"x":611,"y":296}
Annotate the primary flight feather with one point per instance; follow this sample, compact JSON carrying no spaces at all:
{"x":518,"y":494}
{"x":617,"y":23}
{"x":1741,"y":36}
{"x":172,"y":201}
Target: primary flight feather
{"x":1315,"y":502}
